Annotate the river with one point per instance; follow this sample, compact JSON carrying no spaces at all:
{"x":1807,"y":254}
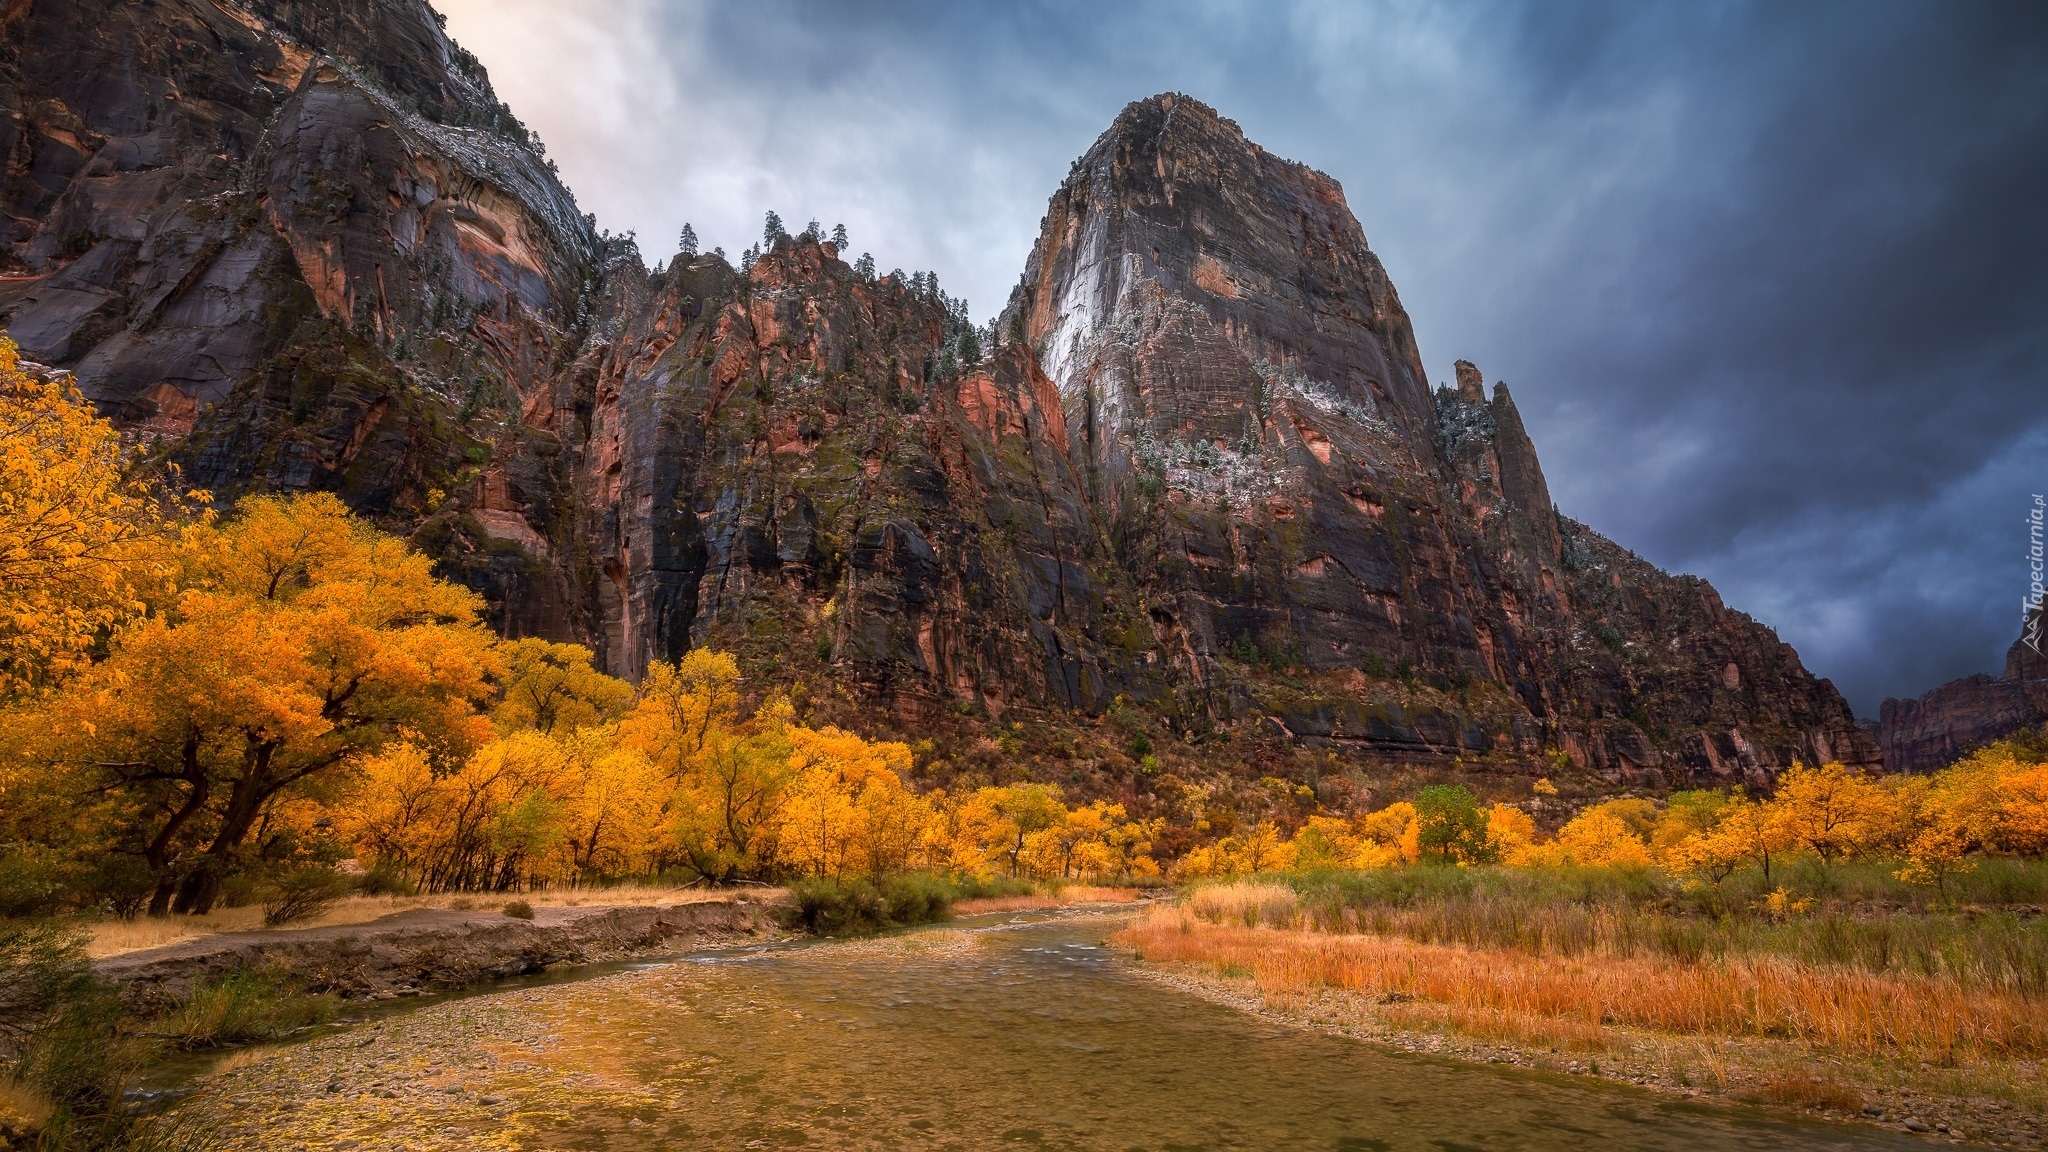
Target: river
{"x":1005,"y":1032}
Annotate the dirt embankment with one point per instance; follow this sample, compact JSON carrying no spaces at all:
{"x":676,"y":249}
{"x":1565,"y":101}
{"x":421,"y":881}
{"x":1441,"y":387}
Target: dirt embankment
{"x":429,"y":950}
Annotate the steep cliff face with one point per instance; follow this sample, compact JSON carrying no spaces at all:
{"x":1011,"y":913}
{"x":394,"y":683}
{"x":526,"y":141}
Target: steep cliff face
{"x":775,"y":463}
{"x":1251,"y":420}
{"x":304,"y":247}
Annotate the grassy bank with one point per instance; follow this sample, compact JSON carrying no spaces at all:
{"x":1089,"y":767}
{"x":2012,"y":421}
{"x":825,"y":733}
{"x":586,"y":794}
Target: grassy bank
{"x":69,"y":1047}
{"x":1846,"y":1000}
{"x":859,"y":906}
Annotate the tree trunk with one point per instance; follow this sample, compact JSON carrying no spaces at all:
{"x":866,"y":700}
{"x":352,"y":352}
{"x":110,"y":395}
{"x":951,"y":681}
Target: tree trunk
{"x":158,"y":853}
{"x":201,"y":888}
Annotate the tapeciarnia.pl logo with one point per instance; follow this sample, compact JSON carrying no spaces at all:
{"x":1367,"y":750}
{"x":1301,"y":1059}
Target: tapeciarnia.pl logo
{"x":2030,"y":606}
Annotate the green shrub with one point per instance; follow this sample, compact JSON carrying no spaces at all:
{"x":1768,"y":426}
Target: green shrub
{"x":519,"y":910}
{"x":122,"y":884}
{"x":386,"y":879}
{"x":64,"y":1046}
{"x":916,"y":898}
{"x":239,"y":1007}
{"x":32,"y":883}
{"x":302,"y":893}
{"x":829,"y":907}
{"x":977,"y":888}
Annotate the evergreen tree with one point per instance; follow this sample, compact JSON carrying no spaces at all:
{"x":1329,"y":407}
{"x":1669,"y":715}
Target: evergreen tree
{"x":969,"y":347}
{"x":865,"y":266}
{"x":688,"y":244}
{"x":771,"y":230}
{"x":814,"y":231}
{"x":839,"y":236}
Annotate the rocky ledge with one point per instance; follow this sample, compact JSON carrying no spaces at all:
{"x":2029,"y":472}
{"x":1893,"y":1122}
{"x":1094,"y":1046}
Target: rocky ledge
{"x":430,"y":950}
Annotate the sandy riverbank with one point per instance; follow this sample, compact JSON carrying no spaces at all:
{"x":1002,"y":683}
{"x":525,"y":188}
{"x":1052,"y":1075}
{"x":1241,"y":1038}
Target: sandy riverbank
{"x":433,"y":949}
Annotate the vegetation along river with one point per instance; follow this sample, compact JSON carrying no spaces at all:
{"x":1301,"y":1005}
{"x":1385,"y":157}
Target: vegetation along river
{"x":1010,"y":1032}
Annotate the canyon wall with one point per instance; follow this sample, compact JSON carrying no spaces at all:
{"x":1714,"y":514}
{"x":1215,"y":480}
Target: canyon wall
{"x":1202,"y":472}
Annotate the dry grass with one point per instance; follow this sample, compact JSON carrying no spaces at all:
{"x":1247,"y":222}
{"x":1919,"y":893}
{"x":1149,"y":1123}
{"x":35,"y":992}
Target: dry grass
{"x":22,"y":1107}
{"x":1065,"y":897}
{"x":1249,"y":905}
{"x":1558,"y":1033}
{"x":1805,"y":1090}
{"x":114,"y":937}
{"x":1512,"y":992}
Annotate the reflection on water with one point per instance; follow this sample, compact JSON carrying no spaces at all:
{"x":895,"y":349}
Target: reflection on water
{"x":1004,"y":1034}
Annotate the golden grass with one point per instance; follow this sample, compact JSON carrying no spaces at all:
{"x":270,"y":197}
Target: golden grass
{"x":1561,"y":1033}
{"x":114,"y":937}
{"x":1509,"y":992}
{"x":1250,"y":905}
{"x":1069,"y":895}
{"x":22,"y":1107}
{"x":1802,"y":1089}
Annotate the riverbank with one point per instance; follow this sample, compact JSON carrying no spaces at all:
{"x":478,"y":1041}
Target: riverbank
{"x":1503,"y":1007}
{"x":997,"y":1032}
{"x":425,"y":950}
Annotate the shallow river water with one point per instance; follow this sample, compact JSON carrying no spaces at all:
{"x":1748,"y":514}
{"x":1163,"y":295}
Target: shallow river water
{"x":1000,"y":1033}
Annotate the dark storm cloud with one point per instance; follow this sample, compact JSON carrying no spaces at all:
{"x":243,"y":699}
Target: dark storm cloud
{"x":1767,"y":279}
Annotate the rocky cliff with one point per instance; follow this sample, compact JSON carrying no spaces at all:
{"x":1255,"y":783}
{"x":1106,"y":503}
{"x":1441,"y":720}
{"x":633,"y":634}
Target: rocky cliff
{"x":1200,"y":485}
{"x":1933,"y":729}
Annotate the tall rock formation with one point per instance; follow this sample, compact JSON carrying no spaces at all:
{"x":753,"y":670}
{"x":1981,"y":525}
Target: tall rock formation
{"x":1201,"y":476}
{"x":1932,"y":730}
{"x":1252,"y":423}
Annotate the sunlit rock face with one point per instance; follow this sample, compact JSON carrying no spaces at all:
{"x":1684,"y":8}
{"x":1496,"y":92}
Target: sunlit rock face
{"x":298,"y":246}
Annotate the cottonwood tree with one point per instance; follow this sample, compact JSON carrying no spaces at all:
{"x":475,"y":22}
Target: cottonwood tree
{"x":303,"y":638}
{"x":83,"y":544}
{"x":548,"y":685}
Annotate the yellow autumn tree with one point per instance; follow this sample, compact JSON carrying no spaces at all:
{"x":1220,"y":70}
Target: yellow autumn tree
{"x":612,"y":809}
{"x":848,"y":811}
{"x":83,"y":545}
{"x":682,"y":707}
{"x":1598,"y":837}
{"x":1686,"y":816}
{"x":1509,"y":830}
{"x":1396,"y":830}
{"x":549,"y":686}
{"x":996,"y":825}
{"x":1257,"y":849}
{"x":1326,"y":842}
{"x":1831,"y":811}
{"x":2022,"y":824}
{"x":303,"y":639}
{"x":728,"y":805}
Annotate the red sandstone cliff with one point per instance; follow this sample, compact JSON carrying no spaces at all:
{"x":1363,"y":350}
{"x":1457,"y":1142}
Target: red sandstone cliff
{"x":303,"y":246}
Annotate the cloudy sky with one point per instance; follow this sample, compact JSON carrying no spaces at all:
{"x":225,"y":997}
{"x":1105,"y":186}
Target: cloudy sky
{"x":1770,"y":280}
